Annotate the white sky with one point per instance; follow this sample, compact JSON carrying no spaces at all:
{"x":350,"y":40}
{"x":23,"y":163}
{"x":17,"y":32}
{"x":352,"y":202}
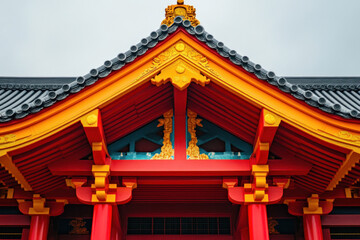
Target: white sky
{"x":70,"y":37}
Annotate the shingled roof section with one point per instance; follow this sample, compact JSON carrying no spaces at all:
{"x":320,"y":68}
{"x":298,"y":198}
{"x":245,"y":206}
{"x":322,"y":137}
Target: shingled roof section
{"x":18,"y":99}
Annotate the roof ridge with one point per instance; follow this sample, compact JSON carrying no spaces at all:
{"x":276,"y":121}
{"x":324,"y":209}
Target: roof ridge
{"x":151,"y":41}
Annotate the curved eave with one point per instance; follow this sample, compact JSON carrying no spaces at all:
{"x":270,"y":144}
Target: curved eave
{"x":340,"y":133}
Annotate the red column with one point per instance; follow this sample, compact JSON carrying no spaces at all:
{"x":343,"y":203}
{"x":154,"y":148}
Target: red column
{"x":242,"y":226}
{"x":312,"y":227}
{"x":116,"y":232}
{"x":101,"y":223}
{"x":39,"y":227}
{"x":258,"y":224}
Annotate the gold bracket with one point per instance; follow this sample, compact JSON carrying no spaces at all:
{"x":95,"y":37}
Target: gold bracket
{"x":39,"y":206}
{"x":257,"y":191}
{"x":101,"y":185}
{"x":313,"y":205}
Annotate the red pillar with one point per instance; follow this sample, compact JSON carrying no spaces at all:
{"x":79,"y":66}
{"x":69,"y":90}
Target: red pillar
{"x":101,"y":224}
{"x":116,"y":232}
{"x":312,"y":227}
{"x":39,"y":227}
{"x":242,"y":226}
{"x":258,"y":224}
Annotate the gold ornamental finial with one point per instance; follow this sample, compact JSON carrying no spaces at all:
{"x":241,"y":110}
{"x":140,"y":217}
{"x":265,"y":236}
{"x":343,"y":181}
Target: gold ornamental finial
{"x":187,"y":12}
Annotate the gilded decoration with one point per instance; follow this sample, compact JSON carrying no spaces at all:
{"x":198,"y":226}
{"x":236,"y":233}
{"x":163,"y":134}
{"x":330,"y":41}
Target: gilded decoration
{"x":193,"y":150}
{"x":78,"y":225}
{"x":185,"y":11}
{"x":181,"y":75}
{"x":167,"y":151}
{"x":7,"y":138}
{"x":178,"y":49}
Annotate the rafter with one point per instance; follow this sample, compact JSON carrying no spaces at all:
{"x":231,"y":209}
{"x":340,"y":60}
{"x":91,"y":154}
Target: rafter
{"x":266,"y":130}
{"x":94,"y":131}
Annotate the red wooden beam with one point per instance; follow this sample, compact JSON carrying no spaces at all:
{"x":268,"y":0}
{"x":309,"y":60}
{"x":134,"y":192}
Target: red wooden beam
{"x":94,"y":131}
{"x":14,"y":220}
{"x":340,"y":220}
{"x":184,"y":167}
{"x":180,"y":100}
{"x":268,"y":124}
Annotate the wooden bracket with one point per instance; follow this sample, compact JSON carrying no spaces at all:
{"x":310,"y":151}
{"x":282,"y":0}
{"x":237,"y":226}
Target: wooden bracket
{"x":93,"y":128}
{"x":257,"y":192}
{"x":267,"y":127}
{"x":39,"y":206}
{"x":102,"y":191}
{"x":312,"y":205}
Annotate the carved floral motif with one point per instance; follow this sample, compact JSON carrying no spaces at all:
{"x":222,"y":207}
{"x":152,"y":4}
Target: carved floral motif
{"x":167,"y":151}
{"x":193,"y":150}
{"x":179,"y":49}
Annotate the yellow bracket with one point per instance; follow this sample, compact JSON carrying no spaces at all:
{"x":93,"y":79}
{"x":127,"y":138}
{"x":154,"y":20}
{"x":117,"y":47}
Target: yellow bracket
{"x":256,"y":192}
{"x":101,"y":185}
{"x":39,"y":206}
{"x":313,"y":205}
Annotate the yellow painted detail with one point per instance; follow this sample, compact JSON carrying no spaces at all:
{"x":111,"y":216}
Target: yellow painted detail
{"x":38,"y":206}
{"x":91,"y":119}
{"x":108,"y":198}
{"x":185,"y":11}
{"x":351,"y":159}
{"x":167,"y":151}
{"x":6,"y":162}
{"x":352,"y":192}
{"x":97,"y":146}
{"x":180,"y":49}
{"x":193,"y":150}
{"x":181,"y":74}
{"x":69,"y":183}
{"x":270,"y":119}
{"x":313,"y":205}
{"x":7,"y":138}
{"x":6,"y":193}
{"x":256,"y":192}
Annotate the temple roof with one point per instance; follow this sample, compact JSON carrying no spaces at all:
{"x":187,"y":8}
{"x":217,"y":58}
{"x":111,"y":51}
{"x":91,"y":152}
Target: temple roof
{"x":20,"y":97}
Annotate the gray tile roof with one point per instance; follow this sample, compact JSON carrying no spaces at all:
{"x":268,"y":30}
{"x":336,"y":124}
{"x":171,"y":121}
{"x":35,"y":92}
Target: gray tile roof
{"x":22,"y":96}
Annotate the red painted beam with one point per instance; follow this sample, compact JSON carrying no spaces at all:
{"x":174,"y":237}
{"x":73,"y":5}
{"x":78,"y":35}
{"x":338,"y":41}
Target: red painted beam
{"x":101,"y":224}
{"x":14,"y":220}
{"x":180,"y":100}
{"x":179,"y":168}
{"x":39,"y":227}
{"x":266,"y":130}
{"x":258,"y":222}
{"x":340,"y":220}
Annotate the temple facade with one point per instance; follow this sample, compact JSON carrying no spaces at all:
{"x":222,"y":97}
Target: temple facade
{"x":180,"y":138}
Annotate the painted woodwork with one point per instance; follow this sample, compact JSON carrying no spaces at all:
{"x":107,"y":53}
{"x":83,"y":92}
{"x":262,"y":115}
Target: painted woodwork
{"x":189,"y":89}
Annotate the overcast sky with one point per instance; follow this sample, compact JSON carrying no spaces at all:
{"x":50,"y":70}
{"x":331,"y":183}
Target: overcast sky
{"x":70,"y":37}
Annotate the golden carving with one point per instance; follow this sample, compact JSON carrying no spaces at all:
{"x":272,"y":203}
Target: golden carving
{"x":167,"y":151}
{"x":7,"y":138}
{"x":185,"y":11}
{"x":179,"y":49}
{"x":270,"y":119}
{"x":91,"y":119}
{"x":256,"y":192}
{"x":78,"y":225}
{"x":181,"y":75}
{"x":348,"y":136}
{"x":272,"y":223}
{"x":193,"y":150}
